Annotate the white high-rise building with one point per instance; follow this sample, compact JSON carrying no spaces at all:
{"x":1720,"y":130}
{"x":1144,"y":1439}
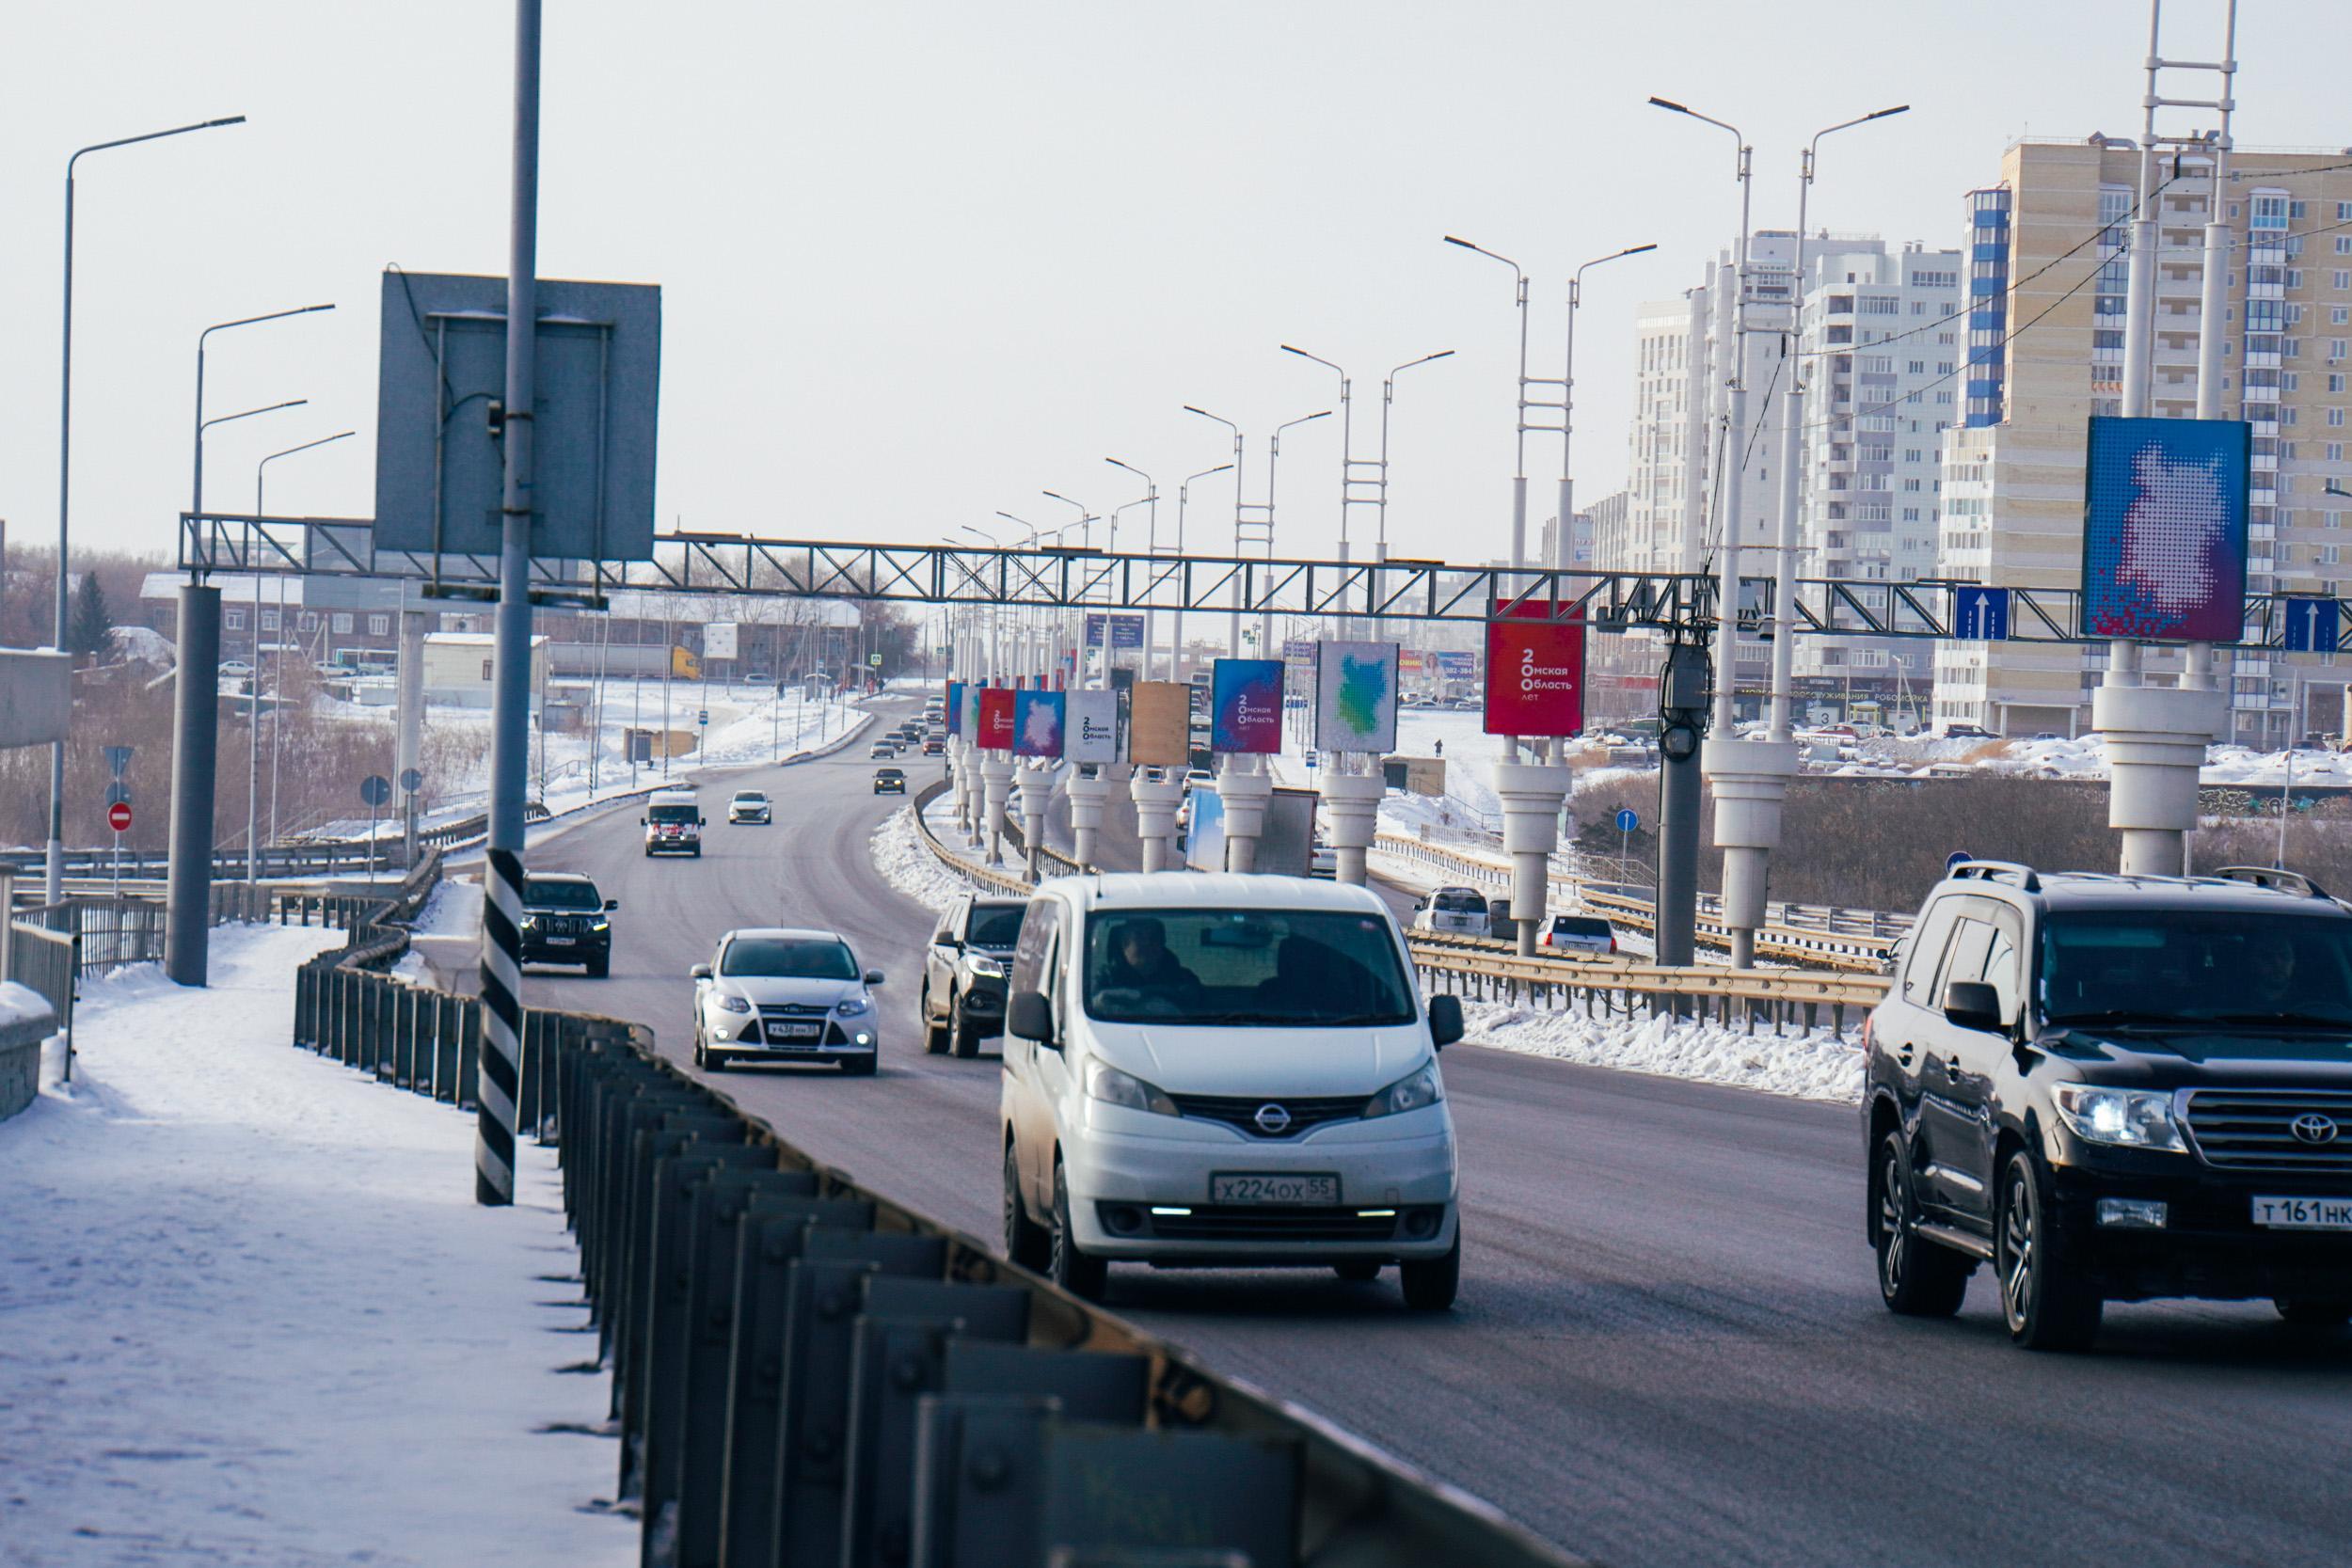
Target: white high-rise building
{"x":1882,"y":335}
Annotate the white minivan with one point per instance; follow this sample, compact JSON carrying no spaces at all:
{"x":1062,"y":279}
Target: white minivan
{"x":1229,"y":1071}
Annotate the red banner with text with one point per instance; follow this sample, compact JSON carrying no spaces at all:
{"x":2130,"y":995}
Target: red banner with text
{"x":1535,"y":671}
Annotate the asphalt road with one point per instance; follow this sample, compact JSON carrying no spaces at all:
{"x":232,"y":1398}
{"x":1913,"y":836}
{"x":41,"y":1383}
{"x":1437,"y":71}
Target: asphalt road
{"x":1669,"y":1347}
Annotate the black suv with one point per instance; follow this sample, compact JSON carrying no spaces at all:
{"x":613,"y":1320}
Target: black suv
{"x":565,"y":922}
{"x":964,"y":973}
{"x":2114,"y":1089}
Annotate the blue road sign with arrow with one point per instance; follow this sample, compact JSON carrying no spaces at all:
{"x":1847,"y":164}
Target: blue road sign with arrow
{"x":1981,"y":614}
{"x":2311,"y":625}
{"x":1628,"y":819}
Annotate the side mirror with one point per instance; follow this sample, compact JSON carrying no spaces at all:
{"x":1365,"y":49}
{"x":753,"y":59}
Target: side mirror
{"x":1030,"y":1015}
{"x":700,"y":972}
{"x":873,"y":977}
{"x":949,"y":941}
{"x":1445,"y":1021}
{"x":1972,"y":1004}
{"x":1419,"y":904}
{"x":611,"y":904}
{"x":702,"y":822}
{"x":640,"y":822}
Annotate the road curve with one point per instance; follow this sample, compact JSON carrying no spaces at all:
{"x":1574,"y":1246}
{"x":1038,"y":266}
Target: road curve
{"x":1668,"y":1348}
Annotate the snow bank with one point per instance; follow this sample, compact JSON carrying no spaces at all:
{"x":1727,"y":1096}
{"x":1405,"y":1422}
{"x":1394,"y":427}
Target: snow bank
{"x":907,"y":863}
{"x":254,"y":1316}
{"x":1815,"y":1066}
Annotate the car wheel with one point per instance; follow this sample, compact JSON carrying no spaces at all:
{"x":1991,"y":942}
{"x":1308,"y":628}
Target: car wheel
{"x":2314,"y":1312}
{"x":1431,"y":1284}
{"x":2046,"y":1301}
{"x":1074,"y":1271}
{"x":1026,"y":1242}
{"x":858,"y":1066}
{"x":702,"y":1057}
{"x":1356,"y":1274}
{"x":934,"y":1033}
{"x":966,"y":1033}
{"x":1917,"y":1278}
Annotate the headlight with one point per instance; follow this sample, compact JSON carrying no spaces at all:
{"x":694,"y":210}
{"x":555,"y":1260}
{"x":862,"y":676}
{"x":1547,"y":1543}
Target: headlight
{"x":732,"y":1003}
{"x":984,"y":965}
{"x":2134,"y":1119}
{"x":1407,"y":1094}
{"x":531,"y":923}
{"x":601,"y":926}
{"x":850,"y":1007}
{"x":1109,"y":1085}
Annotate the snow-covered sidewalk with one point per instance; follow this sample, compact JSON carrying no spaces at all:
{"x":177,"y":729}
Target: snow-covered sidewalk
{"x":250,"y":1314}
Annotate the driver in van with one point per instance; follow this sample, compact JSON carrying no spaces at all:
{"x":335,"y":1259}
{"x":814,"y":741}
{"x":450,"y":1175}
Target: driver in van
{"x":1139,"y":960}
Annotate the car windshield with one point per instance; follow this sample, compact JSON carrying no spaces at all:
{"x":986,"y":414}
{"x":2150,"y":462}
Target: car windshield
{"x":1459,"y":903}
{"x":889,"y":773}
{"x":789,"y":958}
{"x":672,"y":813}
{"x":1298,"y":968}
{"x":546,"y":893}
{"x":749,"y":798}
{"x":997,"y":925}
{"x":2196,"y":967}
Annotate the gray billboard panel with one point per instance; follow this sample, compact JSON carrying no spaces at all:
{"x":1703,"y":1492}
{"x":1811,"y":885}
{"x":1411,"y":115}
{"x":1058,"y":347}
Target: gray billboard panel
{"x":443,"y":363}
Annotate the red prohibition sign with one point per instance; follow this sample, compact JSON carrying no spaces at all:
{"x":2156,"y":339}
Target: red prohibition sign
{"x":118,"y":816}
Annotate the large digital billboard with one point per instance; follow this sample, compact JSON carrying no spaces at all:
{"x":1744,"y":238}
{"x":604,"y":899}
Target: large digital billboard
{"x":1535,"y":673}
{"x":995,"y":731}
{"x":1355,"y":696}
{"x":2164,"y":529}
{"x":1037,"y":721}
{"x":1245,"y":705}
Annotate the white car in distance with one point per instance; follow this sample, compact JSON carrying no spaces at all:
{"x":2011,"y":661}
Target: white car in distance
{"x":1225,"y":1072}
{"x":750,"y":805}
{"x":785,"y":994}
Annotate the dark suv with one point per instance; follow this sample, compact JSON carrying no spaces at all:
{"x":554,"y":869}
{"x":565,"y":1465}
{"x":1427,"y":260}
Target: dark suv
{"x":2114,"y":1089}
{"x":565,"y":922}
{"x":964,"y":973}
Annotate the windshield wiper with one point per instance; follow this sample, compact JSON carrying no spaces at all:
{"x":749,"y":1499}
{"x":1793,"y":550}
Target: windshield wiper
{"x":2290,"y":1020}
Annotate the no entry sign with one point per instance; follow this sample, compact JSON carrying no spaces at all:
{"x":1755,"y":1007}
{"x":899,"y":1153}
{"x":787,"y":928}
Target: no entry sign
{"x":118,"y":816}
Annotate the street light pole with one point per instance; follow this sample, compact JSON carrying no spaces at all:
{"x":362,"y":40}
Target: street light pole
{"x":1273,"y":460}
{"x":52,"y":880}
{"x":276,"y":708}
{"x":1388,"y":397}
{"x":1239,"y":466}
{"x":1176,"y":653}
{"x":1152,"y":546}
{"x":1348,"y":439}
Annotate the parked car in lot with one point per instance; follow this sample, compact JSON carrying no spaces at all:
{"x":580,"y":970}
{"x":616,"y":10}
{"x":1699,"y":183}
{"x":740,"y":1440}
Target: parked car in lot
{"x":782,"y":994}
{"x":2114,"y":1089}
{"x":890,"y":780}
{"x":750,"y":805}
{"x":674,"y":824}
{"x":963,"y":974}
{"x":1453,"y":911}
{"x":1225,"y":1072}
{"x":1576,"y":933}
{"x":567,"y":921}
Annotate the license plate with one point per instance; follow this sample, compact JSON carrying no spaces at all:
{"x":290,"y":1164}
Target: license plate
{"x":795,"y":1031}
{"x":1313,"y":1190}
{"x":560,"y":941}
{"x":2304,"y":1213}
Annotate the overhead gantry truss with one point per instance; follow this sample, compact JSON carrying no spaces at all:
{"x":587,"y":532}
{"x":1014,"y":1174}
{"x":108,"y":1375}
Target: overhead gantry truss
{"x":1056,"y":578}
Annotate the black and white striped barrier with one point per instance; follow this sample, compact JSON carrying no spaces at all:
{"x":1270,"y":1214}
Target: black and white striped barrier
{"x":502,"y":1027}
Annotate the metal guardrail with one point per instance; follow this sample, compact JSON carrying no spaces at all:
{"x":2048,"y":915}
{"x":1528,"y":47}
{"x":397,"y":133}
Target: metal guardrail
{"x":984,"y":877}
{"x":1824,"y":935}
{"x":1494,"y":970}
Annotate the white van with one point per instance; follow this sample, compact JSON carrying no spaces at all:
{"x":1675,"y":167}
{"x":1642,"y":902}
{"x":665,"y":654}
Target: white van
{"x":1225,"y":1070}
{"x":673,"y":823}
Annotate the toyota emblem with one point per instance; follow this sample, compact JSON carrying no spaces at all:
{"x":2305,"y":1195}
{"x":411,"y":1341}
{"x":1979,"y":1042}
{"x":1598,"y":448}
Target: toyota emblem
{"x":1273,"y":1120}
{"x":2310,"y":1127}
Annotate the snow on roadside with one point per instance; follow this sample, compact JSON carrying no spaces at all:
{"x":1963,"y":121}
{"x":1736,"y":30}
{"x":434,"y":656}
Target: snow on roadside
{"x":907,"y":863}
{"x":255,"y":1316}
{"x":1814,"y":1066}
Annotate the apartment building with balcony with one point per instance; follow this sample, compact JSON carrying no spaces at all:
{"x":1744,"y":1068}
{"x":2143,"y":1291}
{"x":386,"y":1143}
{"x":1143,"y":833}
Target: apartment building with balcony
{"x":2046,"y":351}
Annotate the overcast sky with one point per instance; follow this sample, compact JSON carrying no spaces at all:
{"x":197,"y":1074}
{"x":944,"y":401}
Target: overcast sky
{"x":922,"y":260}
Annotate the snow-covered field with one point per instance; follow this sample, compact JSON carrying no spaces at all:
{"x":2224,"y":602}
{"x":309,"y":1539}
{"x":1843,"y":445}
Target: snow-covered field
{"x":254,"y":1319}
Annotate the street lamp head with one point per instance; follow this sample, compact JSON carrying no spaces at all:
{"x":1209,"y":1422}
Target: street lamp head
{"x":233,"y":119}
{"x":1882,"y":114}
{"x":1636,"y":251}
{"x":1455,"y":239}
{"x":1669,"y":103}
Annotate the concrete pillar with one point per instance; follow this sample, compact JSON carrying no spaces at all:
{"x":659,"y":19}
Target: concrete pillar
{"x":963,"y":763}
{"x":1532,"y":794}
{"x":1750,"y":779}
{"x":996,"y":788}
{"x":1244,"y":787}
{"x":1351,"y":809}
{"x":408,"y":748}
{"x":2156,"y":739}
{"x":194,"y":746}
{"x":1089,"y":793}
{"x":1156,"y":800}
{"x":1036,"y":782}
